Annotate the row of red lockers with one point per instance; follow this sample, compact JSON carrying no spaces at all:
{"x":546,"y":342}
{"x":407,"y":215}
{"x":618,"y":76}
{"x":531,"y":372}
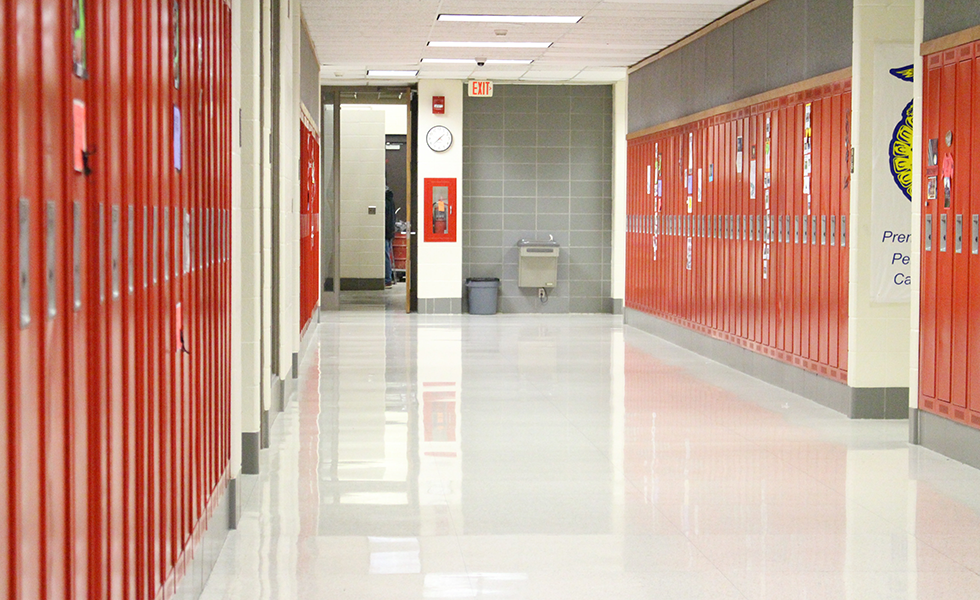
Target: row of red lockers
{"x":737,"y":227}
{"x":309,"y":224}
{"x":949,"y":321}
{"x":114,"y":291}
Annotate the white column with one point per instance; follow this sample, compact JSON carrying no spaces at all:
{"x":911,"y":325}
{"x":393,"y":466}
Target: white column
{"x":916,"y":212}
{"x":288,"y":251}
{"x":877,"y":333}
{"x":620,"y":113}
{"x":440,"y":264}
{"x":237,"y":367}
{"x":246,"y":231}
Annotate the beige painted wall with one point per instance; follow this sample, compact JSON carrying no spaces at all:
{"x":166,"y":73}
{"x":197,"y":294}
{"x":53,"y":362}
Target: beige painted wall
{"x":362,"y":185}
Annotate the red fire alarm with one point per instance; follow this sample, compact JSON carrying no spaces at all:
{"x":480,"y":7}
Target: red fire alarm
{"x":438,"y":105}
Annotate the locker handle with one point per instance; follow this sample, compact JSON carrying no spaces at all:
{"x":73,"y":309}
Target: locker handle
{"x":942,"y":233}
{"x":959,"y":234}
{"x":928,"y":235}
{"x":976,"y":234}
{"x":51,"y":259}
{"x":843,"y":231}
{"x":25,"y":262}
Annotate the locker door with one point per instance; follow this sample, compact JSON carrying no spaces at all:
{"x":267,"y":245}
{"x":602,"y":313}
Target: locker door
{"x":944,"y":288}
{"x":55,"y":145}
{"x":823,"y":225}
{"x":8,"y":281}
{"x":26,"y":252}
{"x":973,"y":391}
{"x":959,"y":217}
{"x":836,"y":189}
{"x":843,"y":243}
{"x":928,"y":333}
{"x":794,"y":149}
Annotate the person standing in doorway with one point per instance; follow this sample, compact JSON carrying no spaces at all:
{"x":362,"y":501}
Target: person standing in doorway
{"x":390,"y":231}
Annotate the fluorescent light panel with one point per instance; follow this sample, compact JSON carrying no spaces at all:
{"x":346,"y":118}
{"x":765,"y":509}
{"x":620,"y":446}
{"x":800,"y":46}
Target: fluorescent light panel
{"x":381,"y":73}
{"x":490,"y":44}
{"x":472,"y":61}
{"x":510,"y":18}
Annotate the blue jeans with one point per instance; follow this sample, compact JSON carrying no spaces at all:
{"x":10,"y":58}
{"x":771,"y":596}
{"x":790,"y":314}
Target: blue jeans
{"x":389,"y":261}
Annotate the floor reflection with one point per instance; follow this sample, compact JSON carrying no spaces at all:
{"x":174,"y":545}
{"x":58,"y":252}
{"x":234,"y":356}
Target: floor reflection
{"x":568,"y":457}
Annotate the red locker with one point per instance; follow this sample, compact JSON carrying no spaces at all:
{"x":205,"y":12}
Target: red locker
{"x":8,"y":283}
{"x":960,"y":150}
{"x":26,"y":416}
{"x":973,"y":383}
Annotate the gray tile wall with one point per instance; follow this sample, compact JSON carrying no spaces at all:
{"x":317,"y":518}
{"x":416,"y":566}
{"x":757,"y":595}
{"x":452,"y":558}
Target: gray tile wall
{"x":943,"y":17}
{"x":779,"y":43}
{"x":537,"y":161}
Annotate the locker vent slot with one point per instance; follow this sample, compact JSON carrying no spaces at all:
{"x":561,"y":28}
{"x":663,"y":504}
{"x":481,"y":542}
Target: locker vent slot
{"x":115,"y":252}
{"x":50,"y":258}
{"x":843,"y":231}
{"x":102,"y":244}
{"x":131,"y":249}
{"x":976,"y":234}
{"x":942,"y":233}
{"x":76,"y":267}
{"x":959,"y":234}
{"x":833,"y":230}
{"x":928,"y":233}
{"x":823,"y":230}
{"x":24,"y":243}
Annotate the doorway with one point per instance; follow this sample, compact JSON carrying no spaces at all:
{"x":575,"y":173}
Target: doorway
{"x":353,"y":191}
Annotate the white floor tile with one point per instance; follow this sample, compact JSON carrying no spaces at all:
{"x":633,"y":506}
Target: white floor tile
{"x":564,"y":457}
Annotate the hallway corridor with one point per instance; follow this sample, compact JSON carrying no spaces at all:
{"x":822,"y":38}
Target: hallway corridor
{"x":568,"y":457}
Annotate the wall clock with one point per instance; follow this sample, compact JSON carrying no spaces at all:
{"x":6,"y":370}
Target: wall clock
{"x":439,"y":138}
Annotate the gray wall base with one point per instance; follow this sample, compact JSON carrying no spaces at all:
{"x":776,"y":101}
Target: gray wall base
{"x":949,"y":438}
{"x":234,"y":505}
{"x":206,"y":554}
{"x":265,"y":425}
{"x":617,"y":307}
{"x":351,"y":284}
{"x":440,"y":306}
{"x":856,"y":403}
{"x":251,"y":444}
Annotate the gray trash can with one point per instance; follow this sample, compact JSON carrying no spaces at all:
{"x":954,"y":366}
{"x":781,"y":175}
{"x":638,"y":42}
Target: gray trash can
{"x":481,"y":295}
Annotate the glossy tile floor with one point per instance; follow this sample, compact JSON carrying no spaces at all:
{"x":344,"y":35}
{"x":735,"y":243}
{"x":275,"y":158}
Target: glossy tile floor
{"x":568,"y":457}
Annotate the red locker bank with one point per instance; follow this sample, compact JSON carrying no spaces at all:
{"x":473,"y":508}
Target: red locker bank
{"x":738,"y":226}
{"x":114,"y":247}
{"x":949,"y":350}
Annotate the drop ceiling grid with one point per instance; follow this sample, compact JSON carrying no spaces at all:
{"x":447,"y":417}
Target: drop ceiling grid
{"x":354,"y":35}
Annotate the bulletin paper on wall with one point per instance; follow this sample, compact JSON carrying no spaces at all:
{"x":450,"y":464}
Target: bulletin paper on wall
{"x":891,"y":173}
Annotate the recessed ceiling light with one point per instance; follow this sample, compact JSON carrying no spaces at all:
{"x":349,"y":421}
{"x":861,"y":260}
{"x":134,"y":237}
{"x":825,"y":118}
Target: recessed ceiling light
{"x":472,"y":61}
{"x":510,"y":18}
{"x":490,"y":44}
{"x":381,"y":73}
{"x":449,"y":61}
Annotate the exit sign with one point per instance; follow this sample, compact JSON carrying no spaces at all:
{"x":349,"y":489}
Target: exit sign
{"x":481,"y":88}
